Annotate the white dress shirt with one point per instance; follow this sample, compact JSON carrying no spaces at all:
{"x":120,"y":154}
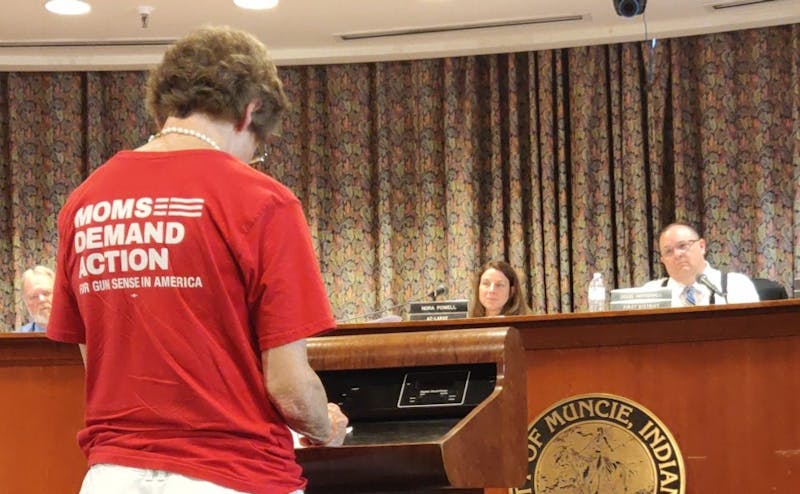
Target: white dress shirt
{"x":740,"y":289}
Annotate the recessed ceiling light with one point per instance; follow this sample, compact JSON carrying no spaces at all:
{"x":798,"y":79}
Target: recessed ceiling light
{"x":256,"y":4}
{"x":68,"y":7}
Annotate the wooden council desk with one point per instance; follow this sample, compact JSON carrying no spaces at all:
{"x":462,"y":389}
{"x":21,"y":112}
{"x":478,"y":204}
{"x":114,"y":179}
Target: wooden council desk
{"x":724,"y":380}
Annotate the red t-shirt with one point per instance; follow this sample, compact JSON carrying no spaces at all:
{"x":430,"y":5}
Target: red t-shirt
{"x":176,"y":269}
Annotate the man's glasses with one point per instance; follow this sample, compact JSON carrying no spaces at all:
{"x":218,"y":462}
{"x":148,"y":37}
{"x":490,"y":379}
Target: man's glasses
{"x":39,"y":296}
{"x":678,"y":248}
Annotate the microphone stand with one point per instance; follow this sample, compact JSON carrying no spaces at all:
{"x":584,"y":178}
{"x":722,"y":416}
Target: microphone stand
{"x":370,"y":314}
{"x":439,"y":290}
{"x":703,"y":280}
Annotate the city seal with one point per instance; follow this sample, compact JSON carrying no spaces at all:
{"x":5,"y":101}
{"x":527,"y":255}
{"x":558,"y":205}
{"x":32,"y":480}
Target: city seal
{"x":601,"y":444}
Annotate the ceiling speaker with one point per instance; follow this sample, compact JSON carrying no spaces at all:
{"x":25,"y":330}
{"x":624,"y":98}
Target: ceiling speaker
{"x":629,"y":8}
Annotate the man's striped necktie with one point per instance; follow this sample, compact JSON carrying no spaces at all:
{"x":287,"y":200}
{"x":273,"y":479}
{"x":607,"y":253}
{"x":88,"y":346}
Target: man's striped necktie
{"x":689,"y":294}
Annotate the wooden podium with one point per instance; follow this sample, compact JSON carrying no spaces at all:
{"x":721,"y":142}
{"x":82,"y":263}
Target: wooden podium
{"x":41,"y":392}
{"x":432,"y":411}
{"x":722,"y":379}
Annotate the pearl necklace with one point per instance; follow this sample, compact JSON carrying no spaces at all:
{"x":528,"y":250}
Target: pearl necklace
{"x":186,"y":132}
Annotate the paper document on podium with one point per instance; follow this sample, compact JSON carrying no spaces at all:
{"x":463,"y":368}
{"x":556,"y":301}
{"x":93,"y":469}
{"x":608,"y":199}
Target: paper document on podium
{"x":296,"y":437}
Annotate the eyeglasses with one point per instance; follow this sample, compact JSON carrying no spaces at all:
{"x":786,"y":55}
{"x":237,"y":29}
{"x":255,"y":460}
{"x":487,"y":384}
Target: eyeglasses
{"x":680,"y":247}
{"x":261,"y":155}
{"x":39,"y":296}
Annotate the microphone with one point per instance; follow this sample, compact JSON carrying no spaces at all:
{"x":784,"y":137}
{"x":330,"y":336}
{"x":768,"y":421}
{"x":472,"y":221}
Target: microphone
{"x":703,"y":280}
{"x":439,"y":290}
{"x":391,"y":317}
{"x":374,"y":313}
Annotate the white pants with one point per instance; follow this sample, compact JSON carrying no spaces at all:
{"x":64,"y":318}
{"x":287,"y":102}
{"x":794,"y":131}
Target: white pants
{"x":116,"y":479}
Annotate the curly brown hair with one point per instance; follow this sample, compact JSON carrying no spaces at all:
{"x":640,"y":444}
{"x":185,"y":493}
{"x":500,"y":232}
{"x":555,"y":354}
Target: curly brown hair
{"x":217,"y":71}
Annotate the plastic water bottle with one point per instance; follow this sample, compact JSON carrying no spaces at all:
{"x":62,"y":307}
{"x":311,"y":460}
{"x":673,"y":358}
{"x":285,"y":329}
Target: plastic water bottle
{"x":597,"y":293}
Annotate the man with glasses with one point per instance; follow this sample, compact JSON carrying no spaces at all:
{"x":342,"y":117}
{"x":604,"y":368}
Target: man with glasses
{"x":37,"y":293}
{"x":683,"y":253}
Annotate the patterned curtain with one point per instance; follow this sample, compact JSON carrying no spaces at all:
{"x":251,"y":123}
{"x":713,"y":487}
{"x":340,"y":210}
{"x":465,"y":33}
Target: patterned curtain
{"x":413,"y":174}
{"x":56,"y":128}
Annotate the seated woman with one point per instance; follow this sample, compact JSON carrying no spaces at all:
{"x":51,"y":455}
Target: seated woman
{"x":497,"y":292}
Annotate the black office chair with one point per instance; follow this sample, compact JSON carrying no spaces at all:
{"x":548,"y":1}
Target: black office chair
{"x":769,"y":290}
